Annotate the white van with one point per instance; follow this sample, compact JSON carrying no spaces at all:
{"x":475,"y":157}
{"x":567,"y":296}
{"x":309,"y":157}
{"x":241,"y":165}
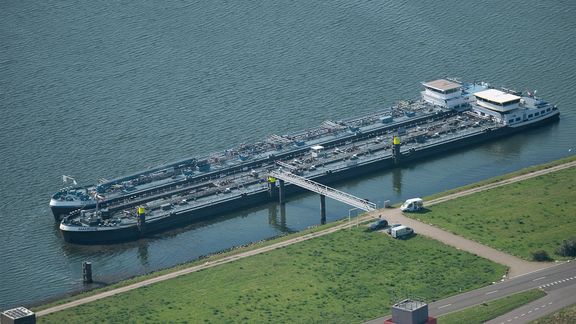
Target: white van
{"x":411,"y":205}
{"x":400,"y":231}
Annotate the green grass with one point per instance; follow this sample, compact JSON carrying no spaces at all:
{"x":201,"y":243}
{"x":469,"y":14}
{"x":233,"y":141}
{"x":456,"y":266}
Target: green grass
{"x":489,"y":310}
{"x":213,"y":257}
{"x":268,"y":242}
{"x":259,"y":244}
{"x":566,"y":315}
{"x":345,"y":277}
{"x":503,"y":177}
{"x":535,"y":214}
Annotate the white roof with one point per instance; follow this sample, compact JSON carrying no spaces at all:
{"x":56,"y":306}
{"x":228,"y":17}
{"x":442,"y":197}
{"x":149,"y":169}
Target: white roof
{"x":413,"y":199}
{"x":317,"y":147}
{"x":496,"y":96}
{"x":442,"y":85}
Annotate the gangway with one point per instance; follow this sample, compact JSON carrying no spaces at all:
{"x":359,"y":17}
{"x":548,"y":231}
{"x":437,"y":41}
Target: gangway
{"x":321,"y":189}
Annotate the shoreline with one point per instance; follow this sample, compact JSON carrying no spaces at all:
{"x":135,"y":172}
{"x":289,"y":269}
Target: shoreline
{"x":275,"y":243}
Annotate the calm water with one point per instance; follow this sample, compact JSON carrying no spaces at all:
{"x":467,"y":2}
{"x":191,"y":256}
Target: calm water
{"x":100,"y":89}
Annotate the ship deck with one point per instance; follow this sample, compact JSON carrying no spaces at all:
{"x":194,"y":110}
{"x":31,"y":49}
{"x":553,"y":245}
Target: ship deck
{"x":217,"y":187}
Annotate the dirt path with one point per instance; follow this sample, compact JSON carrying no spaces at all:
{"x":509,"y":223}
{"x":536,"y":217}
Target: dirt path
{"x":516,"y":265}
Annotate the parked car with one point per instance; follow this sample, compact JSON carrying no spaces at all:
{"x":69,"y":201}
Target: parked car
{"x":378,"y":224}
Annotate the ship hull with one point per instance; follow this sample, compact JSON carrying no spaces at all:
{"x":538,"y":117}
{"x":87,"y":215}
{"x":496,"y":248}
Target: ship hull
{"x":132,"y":232}
{"x":95,"y":235}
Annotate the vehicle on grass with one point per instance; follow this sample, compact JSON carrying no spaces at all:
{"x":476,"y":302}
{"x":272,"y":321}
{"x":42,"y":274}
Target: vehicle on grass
{"x":378,"y":224}
{"x":389,"y":229}
{"x":400,"y":231}
{"x":412,"y":205}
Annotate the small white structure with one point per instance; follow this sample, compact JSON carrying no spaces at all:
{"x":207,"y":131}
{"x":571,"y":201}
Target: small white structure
{"x":400,"y":231}
{"x":18,"y":315}
{"x":317,"y":151}
{"x":411,"y":205}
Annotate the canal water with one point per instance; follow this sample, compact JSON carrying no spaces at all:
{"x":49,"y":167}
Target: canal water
{"x":99,"y":89}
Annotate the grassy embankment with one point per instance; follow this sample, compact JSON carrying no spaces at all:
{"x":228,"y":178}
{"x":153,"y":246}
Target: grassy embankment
{"x":260,"y":244}
{"x":345,"y":277}
{"x":535,"y":214}
{"x":209,"y":258}
{"x":566,"y":315}
{"x":492,"y":309}
{"x":503,"y":177}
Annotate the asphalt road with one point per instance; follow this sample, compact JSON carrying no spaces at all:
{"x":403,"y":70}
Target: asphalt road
{"x":561,"y":290}
{"x":558,"y":281}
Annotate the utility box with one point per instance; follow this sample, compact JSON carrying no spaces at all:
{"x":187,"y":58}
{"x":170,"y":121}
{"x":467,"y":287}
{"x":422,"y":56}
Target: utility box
{"x":386,"y":119}
{"x":19,"y":315}
{"x":317,"y":151}
{"x":410,"y":312}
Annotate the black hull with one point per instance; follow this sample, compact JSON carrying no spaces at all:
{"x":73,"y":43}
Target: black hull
{"x":183,"y":218}
{"x":130,"y":233}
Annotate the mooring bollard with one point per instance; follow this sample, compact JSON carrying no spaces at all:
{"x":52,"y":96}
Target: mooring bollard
{"x":87,"y":271}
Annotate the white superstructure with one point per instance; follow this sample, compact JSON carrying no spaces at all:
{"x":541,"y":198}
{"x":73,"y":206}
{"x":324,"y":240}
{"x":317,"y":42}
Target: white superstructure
{"x":510,"y":108}
{"x":444,"y":93}
{"x":504,"y":106}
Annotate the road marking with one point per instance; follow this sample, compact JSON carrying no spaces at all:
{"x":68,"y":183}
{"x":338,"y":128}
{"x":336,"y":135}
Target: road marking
{"x":529,"y":311}
{"x":522,"y":314}
{"x":445,"y":306}
{"x":550,"y":303}
{"x":491,"y":292}
{"x":539,"y":278}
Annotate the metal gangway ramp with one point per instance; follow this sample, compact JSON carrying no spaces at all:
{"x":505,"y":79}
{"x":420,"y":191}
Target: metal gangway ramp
{"x":321,"y":189}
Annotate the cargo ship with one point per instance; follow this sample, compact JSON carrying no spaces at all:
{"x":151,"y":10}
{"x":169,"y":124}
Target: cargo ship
{"x":449,"y":115}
